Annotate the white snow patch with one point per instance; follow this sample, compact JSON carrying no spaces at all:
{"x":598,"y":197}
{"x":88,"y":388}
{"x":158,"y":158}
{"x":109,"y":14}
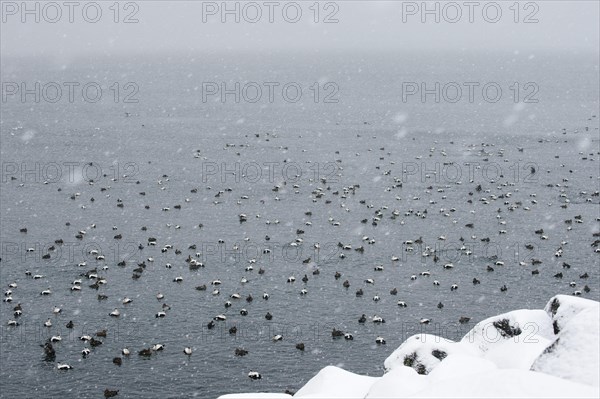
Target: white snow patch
{"x":333,"y":382}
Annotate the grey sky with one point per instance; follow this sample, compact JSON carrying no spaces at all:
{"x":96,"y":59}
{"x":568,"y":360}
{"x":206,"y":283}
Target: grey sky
{"x":377,"y":25}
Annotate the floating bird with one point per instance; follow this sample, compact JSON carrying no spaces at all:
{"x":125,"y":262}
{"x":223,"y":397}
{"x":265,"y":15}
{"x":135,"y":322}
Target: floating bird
{"x":240,"y":352}
{"x":110,"y":393}
{"x":254,"y":375}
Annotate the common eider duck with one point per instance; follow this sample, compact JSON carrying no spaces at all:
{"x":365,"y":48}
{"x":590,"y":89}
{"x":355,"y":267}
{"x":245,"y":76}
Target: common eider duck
{"x":240,"y":352}
{"x":254,"y":375}
{"x":145,"y":352}
{"x":49,"y":352}
{"x":108,"y":393}
{"x":335,"y":333}
{"x":158,"y":347}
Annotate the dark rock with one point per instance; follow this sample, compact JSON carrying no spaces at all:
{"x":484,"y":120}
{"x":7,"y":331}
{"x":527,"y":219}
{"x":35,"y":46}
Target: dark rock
{"x":505,"y":329}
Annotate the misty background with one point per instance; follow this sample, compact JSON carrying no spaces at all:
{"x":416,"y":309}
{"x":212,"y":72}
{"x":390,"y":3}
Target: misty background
{"x":178,"y":27}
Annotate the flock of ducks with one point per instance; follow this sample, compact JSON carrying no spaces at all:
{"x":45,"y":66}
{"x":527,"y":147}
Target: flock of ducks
{"x":496,"y":199}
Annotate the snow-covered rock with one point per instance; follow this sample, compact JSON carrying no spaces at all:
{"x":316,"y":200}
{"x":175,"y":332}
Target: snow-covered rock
{"x":422,"y":352}
{"x":575,"y":354}
{"x":512,"y":340}
{"x":563,"y":308}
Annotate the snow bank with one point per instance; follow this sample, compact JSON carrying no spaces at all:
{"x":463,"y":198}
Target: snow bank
{"x":399,"y":382}
{"x":506,"y":383}
{"x":550,"y":353}
{"x":334,"y":382}
{"x":260,"y":395}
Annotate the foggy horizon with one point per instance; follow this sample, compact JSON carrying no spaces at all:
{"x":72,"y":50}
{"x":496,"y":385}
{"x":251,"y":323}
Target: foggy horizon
{"x":178,"y":28}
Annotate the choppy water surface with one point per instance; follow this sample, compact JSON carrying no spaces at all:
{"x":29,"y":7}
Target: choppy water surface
{"x":276,"y":162}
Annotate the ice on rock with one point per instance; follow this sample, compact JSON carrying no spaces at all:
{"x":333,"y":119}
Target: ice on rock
{"x":334,"y":382}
